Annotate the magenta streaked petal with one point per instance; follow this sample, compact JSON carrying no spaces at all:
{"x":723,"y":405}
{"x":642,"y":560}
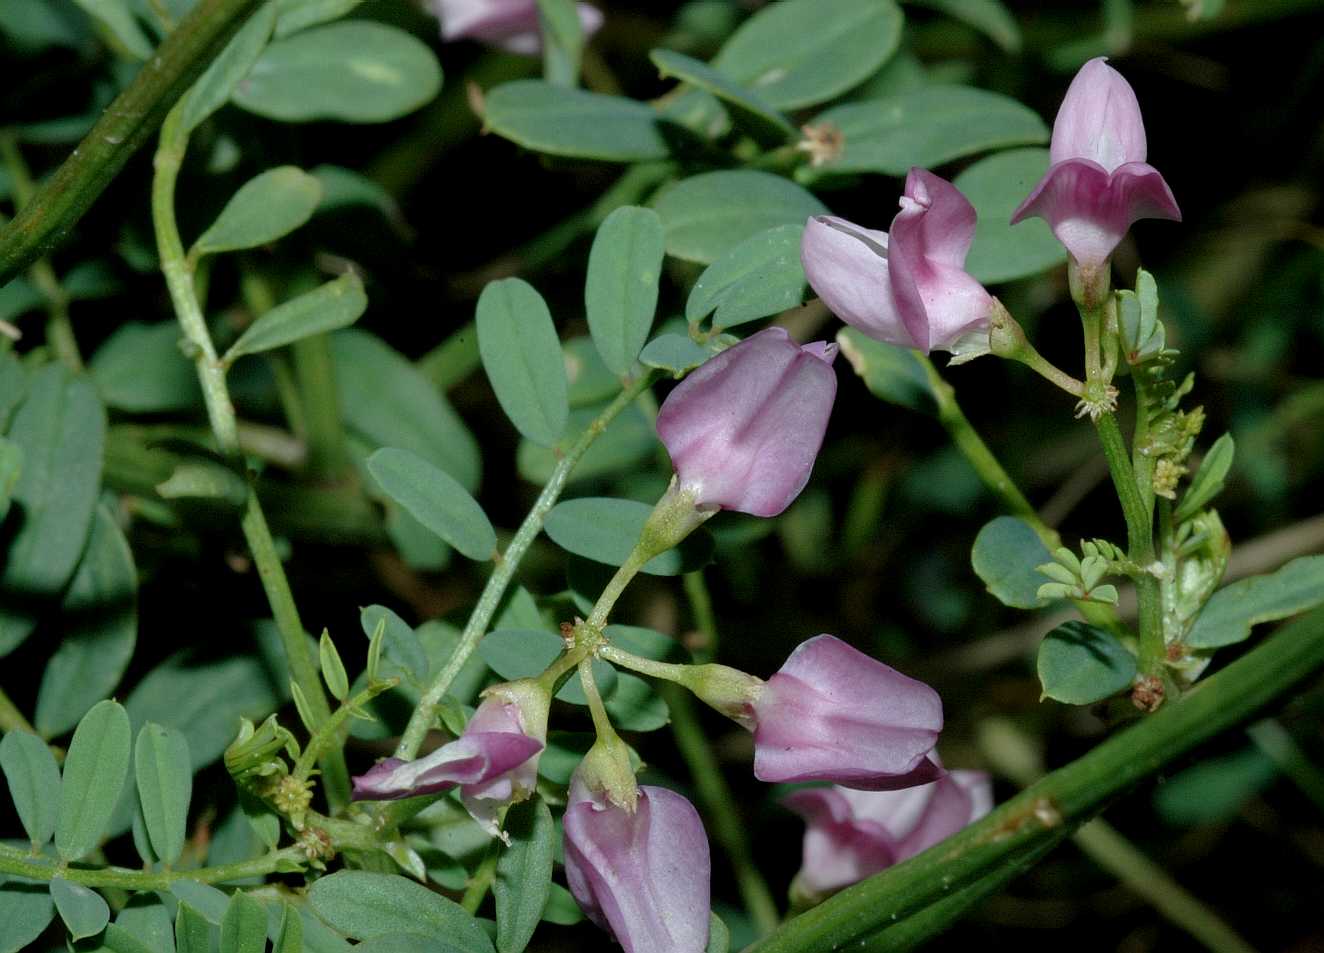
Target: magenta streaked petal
{"x":511,"y":25}
{"x":644,"y":876}
{"x":743,"y":429}
{"x":1099,"y":119}
{"x":833,"y":713}
{"x":947,"y":228}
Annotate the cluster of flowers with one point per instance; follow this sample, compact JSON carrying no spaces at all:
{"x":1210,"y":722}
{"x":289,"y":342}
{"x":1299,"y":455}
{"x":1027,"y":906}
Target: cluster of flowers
{"x":743,"y":431}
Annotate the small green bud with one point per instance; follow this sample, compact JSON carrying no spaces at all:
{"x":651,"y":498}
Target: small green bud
{"x":729,"y":690}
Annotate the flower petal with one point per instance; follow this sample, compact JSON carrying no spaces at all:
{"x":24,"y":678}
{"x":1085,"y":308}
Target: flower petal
{"x":1099,"y":119}
{"x":847,"y":267}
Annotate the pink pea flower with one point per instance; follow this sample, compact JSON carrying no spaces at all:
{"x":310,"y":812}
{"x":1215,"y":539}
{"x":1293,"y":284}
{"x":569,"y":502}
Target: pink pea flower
{"x":642,"y":875}
{"x":1098,"y":184}
{"x":494,"y":762}
{"x":854,"y":834}
{"x":832,"y":713}
{"x":511,"y":25}
{"x":908,"y":287}
{"x":744,"y":428}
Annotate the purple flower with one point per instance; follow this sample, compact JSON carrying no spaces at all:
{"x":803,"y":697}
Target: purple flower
{"x":494,"y":762}
{"x":909,"y":287}
{"x":642,"y":875}
{"x":854,"y":834}
{"x":744,"y":428}
{"x":512,"y":25}
{"x":832,"y":713}
{"x":1098,"y":183}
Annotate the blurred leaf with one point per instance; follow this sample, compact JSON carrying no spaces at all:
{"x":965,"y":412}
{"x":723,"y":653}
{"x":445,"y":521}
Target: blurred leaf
{"x":60,"y":427}
{"x":356,"y":71}
{"x":925,"y":127}
{"x":290,"y":937}
{"x":298,"y":15}
{"x":626,"y":443}
{"x":571,"y":122}
{"x":606,"y":530}
{"x":524,"y":653}
{"x":140,"y":368}
{"x":561,"y":907}
{"x":634,"y":706}
{"x":436,"y":500}
{"x":709,"y":214}
{"x":620,"y":292}
{"x":100,"y":622}
{"x":750,"y":111}
{"x":801,"y":52}
{"x":1208,"y":480}
{"x":244,"y":926}
{"x":890,"y":372}
{"x":164,"y":774}
{"x":719,"y":938}
{"x":523,"y":874}
{"x":203,"y":700}
{"x":266,"y":207}
{"x":990,"y":17}
{"x":522,"y":357}
{"x":204,"y":480}
{"x":365,"y":905}
{"x":11,"y":468}
{"x":1212,"y":791}
{"x":391,"y":404}
{"x":995,"y":186}
{"x":1005,"y":555}
{"x":1232,"y":611}
{"x":81,"y":908}
{"x":34,"y":783}
{"x":119,"y":22}
{"x":589,"y":379}
{"x":26,"y":909}
{"x":1081,"y":665}
{"x":562,"y":41}
{"x":334,"y":305}
{"x":344,"y":187}
{"x":759,"y":277}
{"x":647,"y":643}
{"x":217,"y":83}
{"x":94,"y":773}
{"x":401,"y":645}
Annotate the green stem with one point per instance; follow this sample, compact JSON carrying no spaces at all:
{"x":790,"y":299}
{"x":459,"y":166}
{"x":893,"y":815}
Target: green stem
{"x":11,"y":719}
{"x":327,"y":731}
{"x":1140,"y":543}
{"x":667,"y":671}
{"x":17,"y":862}
{"x":482,"y":880}
{"x":1277,"y":742}
{"x":1065,"y":798}
{"x":220,"y":413}
{"x":597,"y":619}
{"x":328,"y":458}
{"x":701,"y":604}
{"x":453,"y":359}
{"x":601,"y":720}
{"x":505,"y":569}
{"x":123,"y":128}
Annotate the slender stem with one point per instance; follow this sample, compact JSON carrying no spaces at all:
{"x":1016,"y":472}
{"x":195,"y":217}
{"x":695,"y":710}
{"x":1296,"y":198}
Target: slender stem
{"x":1140,"y":543}
{"x":123,"y":128}
{"x":601,"y":720}
{"x":597,"y":619}
{"x":11,"y":719}
{"x":1277,"y":742}
{"x":701,"y":604}
{"x":972,"y":446}
{"x":667,"y":671}
{"x":1117,"y":855}
{"x":505,"y":569}
{"x":20,"y":863}
{"x":453,"y":359}
{"x":1062,"y":800}
{"x":482,"y":880}
{"x":328,"y":730}
{"x":324,"y":428}
{"x":220,"y":412}
{"x":59,"y":329}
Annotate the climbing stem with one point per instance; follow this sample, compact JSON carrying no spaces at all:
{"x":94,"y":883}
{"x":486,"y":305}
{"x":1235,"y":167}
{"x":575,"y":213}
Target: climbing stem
{"x":19,"y":863}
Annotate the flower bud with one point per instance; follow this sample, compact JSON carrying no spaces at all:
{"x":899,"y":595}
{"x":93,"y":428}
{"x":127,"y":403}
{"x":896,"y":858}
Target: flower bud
{"x":493,"y":761}
{"x":642,"y":874}
{"x":729,"y":690}
{"x":832,"y":713}
{"x":744,"y":428}
{"x":1098,"y":184}
{"x":908,"y":288}
{"x":511,"y":25}
{"x":854,"y":834}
